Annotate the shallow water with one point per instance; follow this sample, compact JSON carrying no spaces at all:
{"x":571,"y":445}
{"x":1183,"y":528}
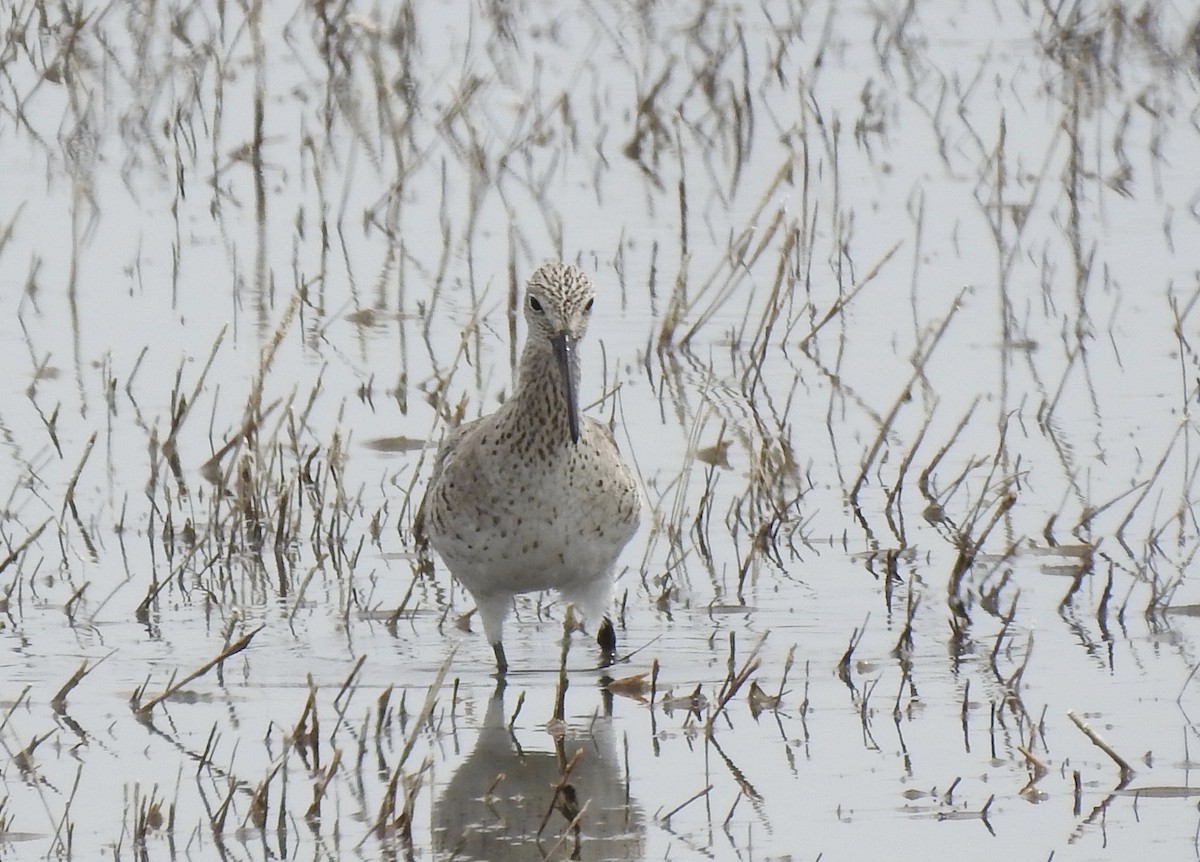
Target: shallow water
{"x":899,"y":310}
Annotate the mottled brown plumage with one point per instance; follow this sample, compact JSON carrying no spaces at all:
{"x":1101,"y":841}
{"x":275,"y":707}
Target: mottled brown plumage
{"x":534,"y":497}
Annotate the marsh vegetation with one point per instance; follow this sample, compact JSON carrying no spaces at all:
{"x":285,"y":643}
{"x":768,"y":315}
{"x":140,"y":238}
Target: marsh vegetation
{"x":896,"y":319}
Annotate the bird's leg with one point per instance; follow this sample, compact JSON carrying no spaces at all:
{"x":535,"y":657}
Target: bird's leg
{"x":606,"y":637}
{"x":501,"y":661}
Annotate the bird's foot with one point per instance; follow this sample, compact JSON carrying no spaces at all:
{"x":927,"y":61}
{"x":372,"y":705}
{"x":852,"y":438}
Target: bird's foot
{"x":606,"y":638}
{"x":501,"y":661}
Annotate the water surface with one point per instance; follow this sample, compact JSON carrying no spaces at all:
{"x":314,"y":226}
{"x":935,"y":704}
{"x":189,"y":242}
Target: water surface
{"x":896,"y":321}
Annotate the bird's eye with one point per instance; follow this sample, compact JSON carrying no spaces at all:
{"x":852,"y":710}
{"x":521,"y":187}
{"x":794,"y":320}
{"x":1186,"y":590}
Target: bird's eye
{"x":535,"y":305}
{"x":587,"y":308}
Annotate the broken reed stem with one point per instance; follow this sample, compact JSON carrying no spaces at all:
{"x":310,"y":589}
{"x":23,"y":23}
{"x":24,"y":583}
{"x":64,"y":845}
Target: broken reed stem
{"x":560,"y":694}
{"x":787,"y":668}
{"x":313,"y":815}
{"x":394,"y":619}
{"x":218,"y":819}
{"x":512,"y":722}
{"x":180,"y":406}
{"x":856,"y":637}
{"x":69,"y":496}
{"x":667,"y":817}
{"x":570,"y":827}
{"x":732,"y":685}
{"x":64,"y":825}
{"x":559,"y":789}
{"x":142,"y":613}
{"x":19,"y":549}
{"x":267,"y":358}
{"x":23,"y":759}
{"x":971,"y":548}
{"x":59,"y":702}
{"x":387,"y":808}
{"x":177,"y":419}
{"x":490,"y":793}
{"x":896,"y":520}
{"x":842,"y":301}
{"x":73,"y":602}
{"x":923,"y":479}
{"x":308,"y":738}
{"x":211,"y":469}
{"x":997,"y":459}
{"x":260,"y":799}
{"x":427,"y":706}
{"x":1184,"y":425}
{"x":732,"y":809}
{"x":681,"y":305}
{"x":228,"y":652}
{"x":1040,"y":770}
{"x":347,"y":686}
{"x":1127,"y":772}
{"x":382,"y":710}
{"x":919,"y":362}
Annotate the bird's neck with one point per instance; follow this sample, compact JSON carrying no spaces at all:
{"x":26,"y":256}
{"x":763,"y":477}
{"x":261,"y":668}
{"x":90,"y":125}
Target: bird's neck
{"x":540,"y":396}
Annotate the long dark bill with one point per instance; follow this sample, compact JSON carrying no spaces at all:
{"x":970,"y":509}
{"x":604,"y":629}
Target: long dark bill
{"x":564,"y":349}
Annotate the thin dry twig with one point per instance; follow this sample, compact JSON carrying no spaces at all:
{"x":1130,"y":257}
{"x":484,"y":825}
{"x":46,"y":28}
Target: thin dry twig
{"x":1127,"y":772}
{"x":229,"y":651}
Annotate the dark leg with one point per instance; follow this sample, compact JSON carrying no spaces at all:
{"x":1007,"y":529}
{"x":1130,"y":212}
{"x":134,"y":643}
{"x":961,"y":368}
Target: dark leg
{"x":501,"y":661}
{"x":606,"y":637}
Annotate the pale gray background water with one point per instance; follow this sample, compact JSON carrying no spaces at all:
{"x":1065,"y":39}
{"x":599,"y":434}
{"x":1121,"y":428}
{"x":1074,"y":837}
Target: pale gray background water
{"x":970,"y":164}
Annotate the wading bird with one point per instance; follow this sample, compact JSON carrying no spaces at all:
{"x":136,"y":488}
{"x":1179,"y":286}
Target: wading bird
{"x":536,"y":496}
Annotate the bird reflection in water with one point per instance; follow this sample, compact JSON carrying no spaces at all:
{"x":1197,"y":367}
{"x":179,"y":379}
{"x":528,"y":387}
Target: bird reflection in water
{"x":568,"y":799}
